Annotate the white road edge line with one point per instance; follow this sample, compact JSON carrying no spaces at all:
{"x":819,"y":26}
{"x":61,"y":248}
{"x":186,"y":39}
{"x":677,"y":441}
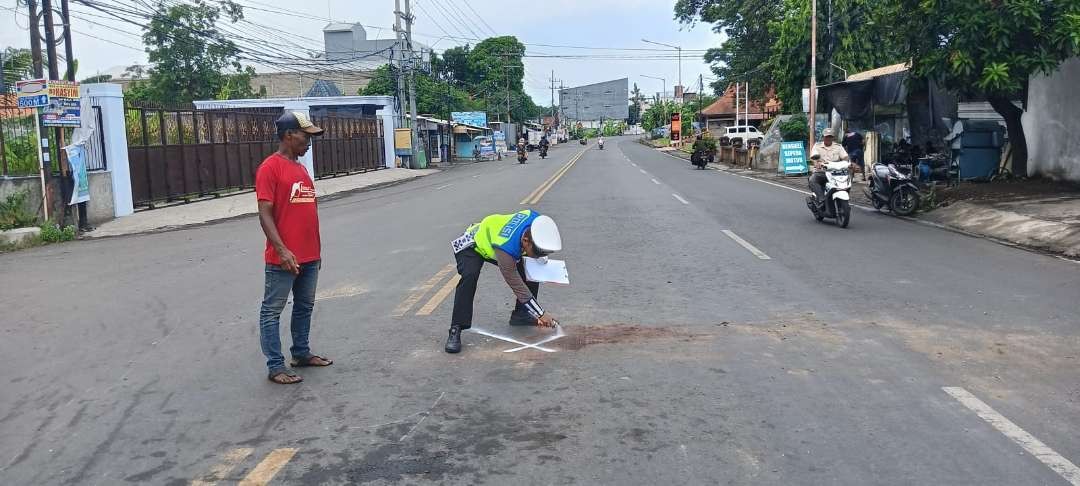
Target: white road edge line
{"x":1034,"y":446}
{"x":443,"y":186}
{"x":684,"y":201}
{"x":643,"y":171}
{"x":654,"y":181}
{"x":633,"y":164}
{"x":745,"y":244}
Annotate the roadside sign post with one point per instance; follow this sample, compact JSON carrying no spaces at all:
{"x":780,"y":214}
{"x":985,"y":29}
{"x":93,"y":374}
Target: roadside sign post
{"x":792,"y":159}
{"x":34,"y":93}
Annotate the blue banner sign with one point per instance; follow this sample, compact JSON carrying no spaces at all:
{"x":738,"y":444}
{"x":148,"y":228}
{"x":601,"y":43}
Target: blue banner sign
{"x":792,"y":158}
{"x":474,"y":118}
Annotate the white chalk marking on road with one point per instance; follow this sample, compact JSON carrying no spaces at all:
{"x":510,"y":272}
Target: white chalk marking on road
{"x":654,"y":181}
{"x":220,"y":471}
{"x":509,"y":340}
{"x":422,"y":419}
{"x":558,"y":334}
{"x":643,"y":171}
{"x":475,"y":176}
{"x":684,"y":201}
{"x":444,"y":186}
{"x":745,"y":244}
{"x":439,"y":296}
{"x":268,"y":468}
{"x":1034,"y":446}
{"x":633,"y":164}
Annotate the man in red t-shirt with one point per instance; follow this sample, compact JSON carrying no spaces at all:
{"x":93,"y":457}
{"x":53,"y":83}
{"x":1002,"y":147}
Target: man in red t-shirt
{"x":290,"y":219}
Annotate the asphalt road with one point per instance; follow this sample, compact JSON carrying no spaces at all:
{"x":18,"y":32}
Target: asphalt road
{"x":716,"y":334}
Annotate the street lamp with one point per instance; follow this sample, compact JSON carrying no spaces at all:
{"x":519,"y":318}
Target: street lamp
{"x":677,"y":48}
{"x":662,"y":103}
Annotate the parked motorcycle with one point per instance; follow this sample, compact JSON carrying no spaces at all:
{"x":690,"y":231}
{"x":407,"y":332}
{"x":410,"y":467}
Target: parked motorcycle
{"x":891,"y":188}
{"x":837,"y":202}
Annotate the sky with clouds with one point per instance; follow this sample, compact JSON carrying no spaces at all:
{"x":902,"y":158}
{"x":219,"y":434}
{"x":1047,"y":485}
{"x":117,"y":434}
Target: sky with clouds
{"x":593,"y":23}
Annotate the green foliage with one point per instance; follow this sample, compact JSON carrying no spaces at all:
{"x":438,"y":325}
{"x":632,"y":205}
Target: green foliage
{"x":432,"y":95}
{"x":21,"y":154}
{"x":467,"y":78}
{"x":53,"y":233}
{"x":238,"y":86}
{"x":188,"y":53}
{"x":706,"y":144}
{"x":795,"y":129}
{"x":614,"y":128}
{"x":13,"y":213}
{"x":850,"y":34}
{"x":18,"y":65}
{"x":635,"y":105}
{"x":988,"y":47}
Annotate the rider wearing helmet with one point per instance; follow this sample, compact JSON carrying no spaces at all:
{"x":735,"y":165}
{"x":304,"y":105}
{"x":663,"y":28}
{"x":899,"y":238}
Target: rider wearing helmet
{"x":502,"y":240}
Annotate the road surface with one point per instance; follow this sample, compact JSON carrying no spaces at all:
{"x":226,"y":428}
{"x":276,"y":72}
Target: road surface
{"x":716,"y":334}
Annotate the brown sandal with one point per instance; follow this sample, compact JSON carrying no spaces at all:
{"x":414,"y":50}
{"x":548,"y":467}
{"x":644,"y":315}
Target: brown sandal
{"x":307,"y":362}
{"x":276,"y":377}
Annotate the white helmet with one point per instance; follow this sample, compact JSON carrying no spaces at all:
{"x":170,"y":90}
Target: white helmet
{"x":545,"y":235}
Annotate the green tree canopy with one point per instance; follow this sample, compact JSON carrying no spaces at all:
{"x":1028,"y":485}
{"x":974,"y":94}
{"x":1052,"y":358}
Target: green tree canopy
{"x":989,"y":48}
{"x":17,"y":65}
{"x":190,"y":58}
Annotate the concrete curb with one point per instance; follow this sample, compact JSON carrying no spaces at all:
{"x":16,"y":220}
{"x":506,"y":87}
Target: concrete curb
{"x":326,"y":198}
{"x":757,"y":175}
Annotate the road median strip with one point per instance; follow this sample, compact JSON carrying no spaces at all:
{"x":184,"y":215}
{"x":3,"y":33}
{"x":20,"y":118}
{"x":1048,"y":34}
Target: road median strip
{"x":534,"y":197}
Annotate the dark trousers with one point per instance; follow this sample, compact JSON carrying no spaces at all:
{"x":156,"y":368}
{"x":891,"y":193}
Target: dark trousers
{"x":817,"y":184}
{"x":469,"y":263}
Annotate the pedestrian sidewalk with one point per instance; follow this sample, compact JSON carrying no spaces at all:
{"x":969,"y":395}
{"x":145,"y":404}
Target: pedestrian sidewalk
{"x":181,"y":215}
{"x":1032,"y":214}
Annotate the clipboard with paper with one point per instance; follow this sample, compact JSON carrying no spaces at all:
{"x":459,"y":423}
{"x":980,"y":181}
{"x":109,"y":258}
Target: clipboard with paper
{"x":546,"y":270}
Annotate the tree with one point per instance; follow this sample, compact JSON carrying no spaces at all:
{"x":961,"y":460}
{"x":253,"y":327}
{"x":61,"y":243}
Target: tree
{"x":635,"y":106}
{"x":187,"y":52}
{"x":989,"y":48}
{"x":17,"y":65}
{"x":432,"y":95}
{"x":768,"y":42}
{"x":238,"y":86}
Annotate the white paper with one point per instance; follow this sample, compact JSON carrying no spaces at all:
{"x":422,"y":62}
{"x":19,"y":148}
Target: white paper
{"x":551,"y":271}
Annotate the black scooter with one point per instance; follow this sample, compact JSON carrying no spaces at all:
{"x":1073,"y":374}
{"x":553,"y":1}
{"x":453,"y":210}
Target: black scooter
{"x":893,"y":189}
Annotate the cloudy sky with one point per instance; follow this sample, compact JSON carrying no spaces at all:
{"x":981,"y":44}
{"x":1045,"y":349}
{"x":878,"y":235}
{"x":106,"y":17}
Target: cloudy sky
{"x":577,"y":39}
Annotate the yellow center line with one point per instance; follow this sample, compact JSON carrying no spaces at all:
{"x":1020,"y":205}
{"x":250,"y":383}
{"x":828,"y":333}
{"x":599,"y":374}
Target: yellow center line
{"x":439,"y":296}
{"x":220,"y":471}
{"x":268,"y":468}
{"x":534,"y":197}
{"x":419,"y":293}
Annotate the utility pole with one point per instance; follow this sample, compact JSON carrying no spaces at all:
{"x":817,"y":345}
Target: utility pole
{"x":413,"y":58}
{"x":813,"y":69}
{"x":50,"y":39}
{"x":35,"y":37}
{"x":506,"y":70}
{"x":68,"y":50}
{"x":736,"y":102}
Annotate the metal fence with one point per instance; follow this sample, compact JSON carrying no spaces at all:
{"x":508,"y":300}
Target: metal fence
{"x":18,"y":141}
{"x":96,"y":159}
{"x":351,"y":144}
{"x":180,"y":154}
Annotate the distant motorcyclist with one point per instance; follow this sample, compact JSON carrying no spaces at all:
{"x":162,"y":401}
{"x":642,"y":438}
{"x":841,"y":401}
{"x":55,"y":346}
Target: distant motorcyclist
{"x":823,"y":153}
{"x":600,"y":141}
{"x":521,"y":150}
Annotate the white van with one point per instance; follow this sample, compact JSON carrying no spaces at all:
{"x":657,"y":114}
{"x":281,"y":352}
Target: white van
{"x":748,"y":134}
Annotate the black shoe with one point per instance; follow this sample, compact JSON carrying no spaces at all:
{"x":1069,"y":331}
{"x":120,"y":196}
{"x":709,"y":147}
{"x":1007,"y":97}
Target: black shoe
{"x":522,"y":318}
{"x":453,"y":343}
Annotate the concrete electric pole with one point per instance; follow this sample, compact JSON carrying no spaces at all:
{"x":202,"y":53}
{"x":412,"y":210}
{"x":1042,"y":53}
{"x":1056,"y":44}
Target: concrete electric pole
{"x":813,"y":70}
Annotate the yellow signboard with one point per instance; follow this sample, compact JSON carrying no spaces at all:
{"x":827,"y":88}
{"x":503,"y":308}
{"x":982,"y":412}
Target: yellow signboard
{"x":63,"y":89}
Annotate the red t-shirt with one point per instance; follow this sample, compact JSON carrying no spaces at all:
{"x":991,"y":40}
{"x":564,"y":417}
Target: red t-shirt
{"x":288,"y":186}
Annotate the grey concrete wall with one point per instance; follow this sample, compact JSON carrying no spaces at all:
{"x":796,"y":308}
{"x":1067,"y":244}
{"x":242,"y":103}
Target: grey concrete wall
{"x":101,"y":207}
{"x":1050,"y":124}
{"x":608,"y":100}
{"x":11,"y":185}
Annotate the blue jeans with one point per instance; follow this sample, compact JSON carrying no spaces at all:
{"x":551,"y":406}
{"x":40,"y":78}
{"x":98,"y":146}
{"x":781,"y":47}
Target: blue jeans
{"x":279,"y":283}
